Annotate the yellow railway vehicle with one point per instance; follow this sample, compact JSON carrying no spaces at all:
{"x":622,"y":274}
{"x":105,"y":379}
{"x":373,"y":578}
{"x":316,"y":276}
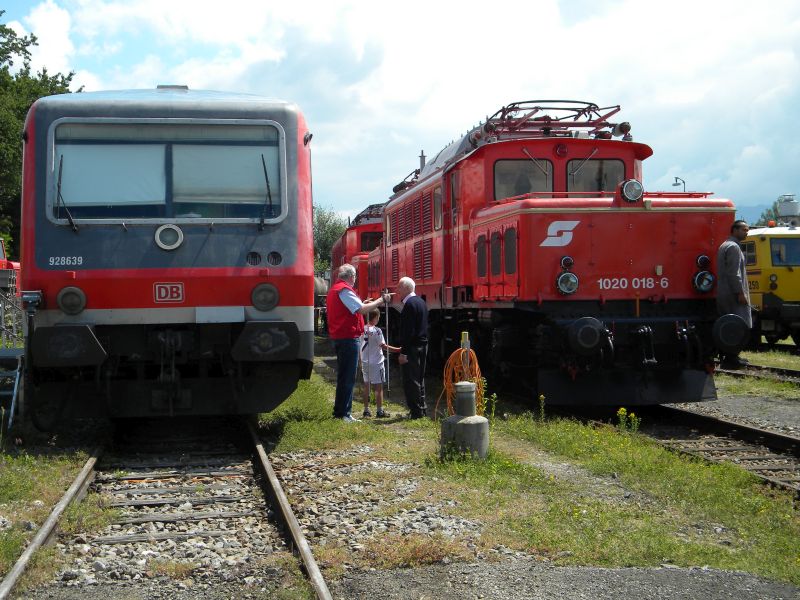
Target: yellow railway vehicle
{"x":773,"y":273}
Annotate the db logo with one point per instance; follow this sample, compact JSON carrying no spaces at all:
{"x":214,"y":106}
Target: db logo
{"x":168,"y":292}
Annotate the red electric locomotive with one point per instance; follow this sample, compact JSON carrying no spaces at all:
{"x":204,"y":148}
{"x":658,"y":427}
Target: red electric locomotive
{"x":363,"y":234}
{"x":534,"y":234}
{"x":167,"y":251}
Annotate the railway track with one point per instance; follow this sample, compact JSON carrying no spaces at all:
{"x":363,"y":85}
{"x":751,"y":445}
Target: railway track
{"x":202,"y":502}
{"x":771,"y":456}
{"x":762,"y":372}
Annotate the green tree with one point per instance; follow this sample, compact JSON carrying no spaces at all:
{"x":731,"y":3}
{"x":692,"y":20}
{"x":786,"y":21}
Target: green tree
{"x":17,"y":92}
{"x":328,"y":227}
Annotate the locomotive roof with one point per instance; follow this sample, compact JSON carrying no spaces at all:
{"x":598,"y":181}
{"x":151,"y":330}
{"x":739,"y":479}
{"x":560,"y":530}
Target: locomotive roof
{"x":163,"y":97}
{"x":533,"y":119}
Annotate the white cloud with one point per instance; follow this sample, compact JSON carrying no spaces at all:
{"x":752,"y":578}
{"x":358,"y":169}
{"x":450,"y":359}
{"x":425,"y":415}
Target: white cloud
{"x":710,"y":85}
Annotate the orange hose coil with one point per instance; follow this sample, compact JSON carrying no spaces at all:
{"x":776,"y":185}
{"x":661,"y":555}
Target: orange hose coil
{"x":461,"y":366}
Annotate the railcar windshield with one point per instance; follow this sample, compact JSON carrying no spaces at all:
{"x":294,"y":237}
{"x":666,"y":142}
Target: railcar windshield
{"x":785,"y":252}
{"x":522,"y":176}
{"x":107,"y":170}
{"x":598,"y":175}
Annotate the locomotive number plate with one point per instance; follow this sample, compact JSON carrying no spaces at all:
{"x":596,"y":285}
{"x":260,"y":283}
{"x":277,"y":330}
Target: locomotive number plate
{"x":65,"y":261}
{"x":634,"y":283}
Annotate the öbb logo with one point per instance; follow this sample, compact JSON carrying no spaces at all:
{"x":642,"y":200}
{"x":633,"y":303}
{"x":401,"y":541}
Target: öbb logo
{"x":559,"y":233}
{"x":168,"y":292}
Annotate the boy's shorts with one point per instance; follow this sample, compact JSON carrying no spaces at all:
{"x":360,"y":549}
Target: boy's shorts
{"x":373,"y":373}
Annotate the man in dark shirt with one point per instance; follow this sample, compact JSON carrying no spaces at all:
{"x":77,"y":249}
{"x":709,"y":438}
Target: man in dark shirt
{"x":413,"y":347}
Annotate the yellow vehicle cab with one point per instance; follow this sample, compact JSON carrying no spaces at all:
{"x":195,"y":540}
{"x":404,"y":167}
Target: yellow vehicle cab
{"x":773,"y":272}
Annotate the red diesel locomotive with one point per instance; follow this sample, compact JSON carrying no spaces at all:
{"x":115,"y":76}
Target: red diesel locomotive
{"x":533,"y":233}
{"x":167,"y":253}
{"x":363,"y":234}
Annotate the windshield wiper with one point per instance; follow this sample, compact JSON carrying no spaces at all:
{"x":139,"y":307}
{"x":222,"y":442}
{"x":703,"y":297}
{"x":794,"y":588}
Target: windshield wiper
{"x":536,"y":162}
{"x":585,"y":160}
{"x":60,"y":199}
{"x":269,"y":197}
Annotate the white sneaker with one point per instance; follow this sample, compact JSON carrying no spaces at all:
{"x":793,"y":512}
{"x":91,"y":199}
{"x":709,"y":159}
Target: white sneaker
{"x":350,"y":419}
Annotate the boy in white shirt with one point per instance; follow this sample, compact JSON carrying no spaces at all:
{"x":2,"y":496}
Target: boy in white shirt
{"x":372,"y":363}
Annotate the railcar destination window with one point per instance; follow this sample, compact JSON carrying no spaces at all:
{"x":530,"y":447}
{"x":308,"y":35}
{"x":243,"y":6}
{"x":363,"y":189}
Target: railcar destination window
{"x":166,"y":170}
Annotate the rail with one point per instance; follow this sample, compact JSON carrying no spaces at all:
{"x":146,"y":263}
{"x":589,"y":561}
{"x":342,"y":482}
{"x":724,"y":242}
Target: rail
{"x":76,"y":490}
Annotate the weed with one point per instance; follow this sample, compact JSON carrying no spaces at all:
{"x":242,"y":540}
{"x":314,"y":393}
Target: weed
{"x":174,"y":569}
{"x":541,"y":407}
{"x":627,"y":421}
{"x":408,"y":551}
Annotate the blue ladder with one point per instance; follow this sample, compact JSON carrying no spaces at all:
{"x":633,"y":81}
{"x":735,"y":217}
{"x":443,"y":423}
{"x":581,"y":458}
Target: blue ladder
{"x":10,"y":378}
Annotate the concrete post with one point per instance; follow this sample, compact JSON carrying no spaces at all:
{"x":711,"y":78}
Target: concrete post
{"x":466,"y":431}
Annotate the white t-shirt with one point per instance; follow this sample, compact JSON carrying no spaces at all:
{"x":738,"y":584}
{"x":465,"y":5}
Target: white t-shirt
{"x":370,"y":345}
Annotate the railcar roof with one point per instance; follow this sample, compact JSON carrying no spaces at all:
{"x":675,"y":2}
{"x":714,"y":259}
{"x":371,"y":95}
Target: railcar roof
{"x":167,"y":97}
{"x":782,"y":230}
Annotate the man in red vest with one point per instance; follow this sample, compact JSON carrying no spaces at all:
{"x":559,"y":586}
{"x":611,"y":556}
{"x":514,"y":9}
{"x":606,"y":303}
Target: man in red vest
{"x":346,"y":326}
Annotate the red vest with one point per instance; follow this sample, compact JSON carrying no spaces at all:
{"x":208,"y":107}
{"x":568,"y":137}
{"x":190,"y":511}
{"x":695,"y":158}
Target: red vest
{"x":342,"y":324}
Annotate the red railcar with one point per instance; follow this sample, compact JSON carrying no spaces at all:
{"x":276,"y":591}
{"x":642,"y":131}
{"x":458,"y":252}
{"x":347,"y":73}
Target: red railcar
{"x":534,"y":234}
{"x":363,"y":234}
{"x":167,"y":253}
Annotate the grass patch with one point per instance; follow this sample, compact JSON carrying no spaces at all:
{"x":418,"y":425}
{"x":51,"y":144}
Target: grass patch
{"x":773,"y":358}
{"x":708,"y":514}
{"x":751,"y":386}
{"x":174,"y":569}
{"x":304,"y":421}
{"x":30,"y":485}
{"x":414,"y":550}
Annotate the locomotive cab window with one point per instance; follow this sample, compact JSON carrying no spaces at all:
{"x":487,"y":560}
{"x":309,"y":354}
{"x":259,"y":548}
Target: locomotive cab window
{"x":601,"y":175}
{"x":163,"y":170}
{"x":518,"y":177}
{"x":370,"y":240}
{"x":785,"y":252}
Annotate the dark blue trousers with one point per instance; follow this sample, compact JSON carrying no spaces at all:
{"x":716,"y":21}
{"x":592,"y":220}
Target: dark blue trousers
{"x":346,"y":368}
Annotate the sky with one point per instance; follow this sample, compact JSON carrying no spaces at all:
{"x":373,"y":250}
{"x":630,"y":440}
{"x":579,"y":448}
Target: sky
{"x":712,"y":86}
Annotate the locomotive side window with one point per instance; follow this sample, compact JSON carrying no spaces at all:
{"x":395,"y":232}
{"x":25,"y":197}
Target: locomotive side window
{"x":602,"y":175}
{"x":523,"y":176}
{"x":187,"y":171}
{"x":785,"y":252}
{"x":481,"y":255}
{"x":437,"y":208}
{"x":749,"y":249}
{"x":370,"y":240}
{"x":510,"y":245}
{"x":496,"y":248}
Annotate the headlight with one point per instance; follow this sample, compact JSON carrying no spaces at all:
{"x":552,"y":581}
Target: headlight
{"x":632,"y":190}
{"x":567,"y":283}
{"x":703,"y":262}
{"x":71,"y":300}
{"x":703,"y":282}
{"x":567,"y":262}
{"x":773,"y":278}
{"x":265,"y":296}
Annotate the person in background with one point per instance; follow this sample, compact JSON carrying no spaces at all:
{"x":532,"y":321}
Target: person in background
{"x":345,"y":327}
{"x":733,"y":293}
{"x":372,"y":364}
{"x":413,"y":347}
